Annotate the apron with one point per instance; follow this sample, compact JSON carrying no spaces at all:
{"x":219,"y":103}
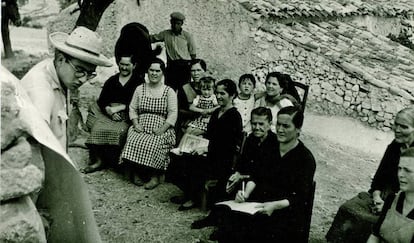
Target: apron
{"x":396,"y":227}
{"x":146,"y":148}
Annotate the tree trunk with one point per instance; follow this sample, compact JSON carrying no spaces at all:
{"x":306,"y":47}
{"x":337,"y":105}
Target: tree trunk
{"x":91,"y":13}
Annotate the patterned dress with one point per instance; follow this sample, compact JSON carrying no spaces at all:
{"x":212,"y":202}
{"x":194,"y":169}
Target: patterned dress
{"x":204,"y":103}
{"x":146,"y":148}
{"x":104,"y":130}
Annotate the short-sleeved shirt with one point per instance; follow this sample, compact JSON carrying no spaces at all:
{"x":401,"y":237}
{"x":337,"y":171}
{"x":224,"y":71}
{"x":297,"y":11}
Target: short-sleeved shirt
{"x":47,"y":95}
{"x":179,"y":46}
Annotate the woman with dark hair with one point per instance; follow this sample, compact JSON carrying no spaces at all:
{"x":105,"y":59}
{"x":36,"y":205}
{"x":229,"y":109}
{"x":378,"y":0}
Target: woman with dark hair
{"x":108,"y":119}
{"x":280,"y":186}
{"x":153,"y":112}
{"x":286,"y":83}
{"x":273,"y":99}
{"x":355,"y":218}
{"x":396,"y":222}
{"x":224,"y":133}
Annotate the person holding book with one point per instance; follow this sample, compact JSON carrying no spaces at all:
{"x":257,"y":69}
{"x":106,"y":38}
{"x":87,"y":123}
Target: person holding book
{"x":259,"y":147}
{"x":281,"y":186}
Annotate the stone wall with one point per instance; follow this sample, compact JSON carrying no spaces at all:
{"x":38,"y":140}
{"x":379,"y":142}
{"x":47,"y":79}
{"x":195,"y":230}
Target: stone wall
{"x":332,"y":91}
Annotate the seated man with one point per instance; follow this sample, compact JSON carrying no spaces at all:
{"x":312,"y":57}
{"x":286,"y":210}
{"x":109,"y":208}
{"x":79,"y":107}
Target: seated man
{"x":282,"y":186}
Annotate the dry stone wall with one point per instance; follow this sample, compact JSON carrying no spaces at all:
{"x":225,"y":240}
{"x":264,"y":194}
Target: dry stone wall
{"x":332,"y":90}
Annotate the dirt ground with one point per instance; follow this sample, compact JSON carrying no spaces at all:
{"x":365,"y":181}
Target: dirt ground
{"x":347,"y":154}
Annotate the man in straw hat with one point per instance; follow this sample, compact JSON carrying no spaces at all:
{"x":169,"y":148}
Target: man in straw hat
{"x":49,"y":83}
{"x":180,"y":48}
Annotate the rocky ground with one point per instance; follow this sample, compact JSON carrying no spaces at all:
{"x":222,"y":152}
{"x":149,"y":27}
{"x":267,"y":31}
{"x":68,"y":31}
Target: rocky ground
{"x":346,"y":151}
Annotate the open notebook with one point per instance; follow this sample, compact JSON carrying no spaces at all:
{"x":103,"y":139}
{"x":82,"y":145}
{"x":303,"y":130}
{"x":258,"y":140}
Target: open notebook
{"x":246,"y":207}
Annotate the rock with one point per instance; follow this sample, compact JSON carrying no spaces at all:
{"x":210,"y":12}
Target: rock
{"x":327,"y":86}
{"x":19,"y":182}
{"x":364,"y":119}
{"x":340,"y":82}
{"x":17,"y":156}
{"x":375,"y":105}
{"x":366,"y":104}
{"x":348,"y":86}
{"x":20,"y":222}
{"x":388,"y":116}
{"x":315,"y":90}
{"x":314,"y":81}
{"x":371,"y":119}
{"x":386,"y":129}
{"x":333,"y":97}
{"x":355,"y":88}
{"x":365,"y":111}
{"x":346,"y":104}
{"x":339,"y":91}
{"x":379,"y":118}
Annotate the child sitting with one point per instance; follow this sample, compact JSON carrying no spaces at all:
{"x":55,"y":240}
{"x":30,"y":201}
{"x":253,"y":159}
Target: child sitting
{"x":245,"y":100}
{"x":204,"y":104}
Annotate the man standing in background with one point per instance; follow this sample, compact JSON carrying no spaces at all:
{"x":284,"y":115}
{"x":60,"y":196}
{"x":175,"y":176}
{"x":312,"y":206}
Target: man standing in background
{"x":180,"y":49}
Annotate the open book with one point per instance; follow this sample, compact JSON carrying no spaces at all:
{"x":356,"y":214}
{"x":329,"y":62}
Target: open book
{"x":246,"y":207}
{"x":190,"y":142}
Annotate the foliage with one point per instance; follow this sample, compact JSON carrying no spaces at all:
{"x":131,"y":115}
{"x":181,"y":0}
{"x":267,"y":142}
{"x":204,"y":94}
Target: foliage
{"x":403,"y":39}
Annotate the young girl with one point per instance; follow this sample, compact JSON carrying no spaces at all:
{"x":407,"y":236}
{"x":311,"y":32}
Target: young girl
{"x":204,"y":104}
{"x":245,"y":100}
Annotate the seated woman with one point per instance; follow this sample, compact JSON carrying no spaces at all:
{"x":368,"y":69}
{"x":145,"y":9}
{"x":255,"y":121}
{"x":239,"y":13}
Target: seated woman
{"x":224,"y":134}
{"x":273,"y":99}
{"x":187,"y":93}
{"x":204,"y":105}
{"x":153,"y":111}
{"x":108,"y":120}
{"x":396,"y":222}
{"x":355,"y":217}
{"x":245,"y":100}
{"x":281,"y":184}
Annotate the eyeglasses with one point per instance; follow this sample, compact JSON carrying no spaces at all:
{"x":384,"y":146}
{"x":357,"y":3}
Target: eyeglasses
{"x":80,"y":73}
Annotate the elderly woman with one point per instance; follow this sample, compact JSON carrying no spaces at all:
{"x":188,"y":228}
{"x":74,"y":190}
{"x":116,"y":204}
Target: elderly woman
{"x":224,"y":133}
{"x":108,"y":118}
{"x":396,"y":222}
{"x":153,"y":112}
{"x":280,"y":185}
{"x":273,"y":99}
{"x":355,"y":217}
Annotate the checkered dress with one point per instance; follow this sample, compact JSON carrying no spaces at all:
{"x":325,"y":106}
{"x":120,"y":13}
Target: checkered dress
{"x":103,"y":130}
{"x":201,"y":122}
{"x":146,"y":148}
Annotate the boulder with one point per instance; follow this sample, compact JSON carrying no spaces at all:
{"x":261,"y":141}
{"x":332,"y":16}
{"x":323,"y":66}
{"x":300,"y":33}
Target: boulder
{"x":19,"y":182}
{"x":20,"y":222}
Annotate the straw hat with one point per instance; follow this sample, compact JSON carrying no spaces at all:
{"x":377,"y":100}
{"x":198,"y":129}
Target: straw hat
{"x":83,"y":44}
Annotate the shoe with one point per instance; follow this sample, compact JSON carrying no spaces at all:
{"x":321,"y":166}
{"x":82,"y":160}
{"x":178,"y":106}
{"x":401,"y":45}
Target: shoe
{"x":153,"y":183}
{"x":92,"y":168}
{"x":187,"y":206}
{"x":136,"y":180}
{"x":202,"y":223}
{"x":178,"y":199}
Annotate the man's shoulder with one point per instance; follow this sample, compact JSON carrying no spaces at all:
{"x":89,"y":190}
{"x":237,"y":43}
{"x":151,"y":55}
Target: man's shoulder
{"x":38,"y":75}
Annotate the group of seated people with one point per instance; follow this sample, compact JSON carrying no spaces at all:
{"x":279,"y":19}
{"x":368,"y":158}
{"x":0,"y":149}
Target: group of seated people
{"x":386,"y":212}
{"x":253,"y":137}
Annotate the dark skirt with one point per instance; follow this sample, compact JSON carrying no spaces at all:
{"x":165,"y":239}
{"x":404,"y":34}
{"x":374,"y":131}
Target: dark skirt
{"x":354,"y":220}
{"x":105,"y":131}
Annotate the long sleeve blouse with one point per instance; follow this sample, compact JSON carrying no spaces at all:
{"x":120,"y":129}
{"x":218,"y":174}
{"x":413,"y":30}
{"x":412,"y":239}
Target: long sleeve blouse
{"x":288,"y":177}
{"x":224,"y":134}
{"x":114,"y":92}
{"x":172,"y":109}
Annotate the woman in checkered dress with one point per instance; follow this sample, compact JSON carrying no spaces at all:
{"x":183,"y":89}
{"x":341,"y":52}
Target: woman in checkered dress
{"x":153,"y":111}
{"x":108,"y":120}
